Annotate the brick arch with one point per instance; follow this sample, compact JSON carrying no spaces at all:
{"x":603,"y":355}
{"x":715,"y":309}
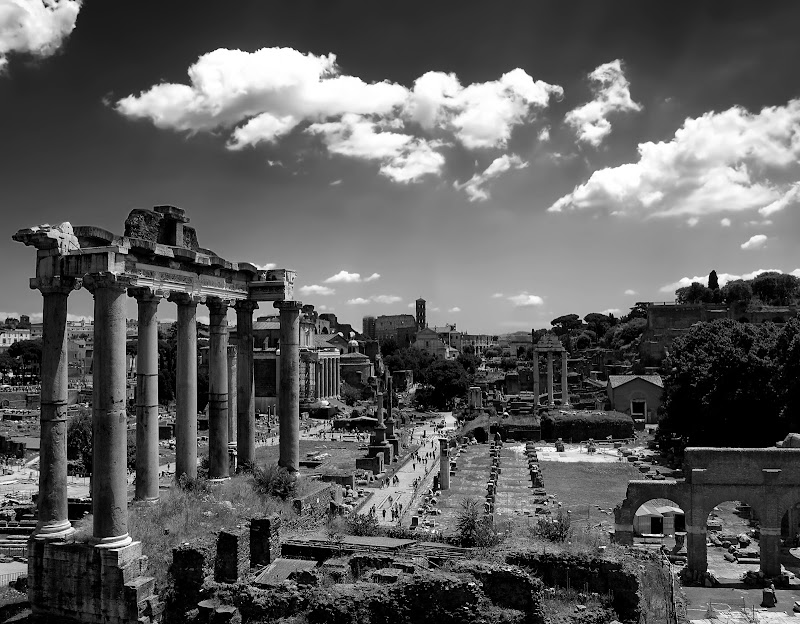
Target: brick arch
{"x":750,"y":495}
{"x":639,"y":492}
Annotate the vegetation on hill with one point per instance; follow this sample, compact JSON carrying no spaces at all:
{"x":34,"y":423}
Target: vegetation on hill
{"x":771,"y":288}
{"x":731,"y":384}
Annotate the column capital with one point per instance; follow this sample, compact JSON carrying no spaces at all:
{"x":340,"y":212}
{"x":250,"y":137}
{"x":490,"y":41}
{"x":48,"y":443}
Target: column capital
{"x":144,"y":294}
{"x":55,"y":284}
{"x":245,"y":306}
{"x":185,"y":298}
{"x":216,"y":305}
{"x":112,"y":281}
{"x":288,"y":305}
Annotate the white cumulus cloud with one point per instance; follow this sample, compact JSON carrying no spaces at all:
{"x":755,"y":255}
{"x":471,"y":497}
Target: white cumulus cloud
{"x":725,"y":222}
{"x":262,"y":96}
{"x":614,"y":311}
{"x":265,"y":267}
{"x":729,"y":161}
{"x":526,"y":300}
{"x":316,"y":289}
{"x":455,"y":309}
{"x":630,"y":292}
{"x":611,"y":95}
{"x":36,"y":27}
{"x":350,"y":278}
{"x":475,"y":186}
{"x":358,"y":301}
{"x":497,"y":295}
{"x":757,"y":241}
{"x":375,"y":299}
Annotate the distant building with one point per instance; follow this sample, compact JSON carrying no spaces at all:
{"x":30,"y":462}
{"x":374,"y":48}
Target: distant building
{"x":422,"y":322}
{"x":637,"y":395}
{"x":368,"y":327}
{"x":386,"y":326}
{"x":9,"y":336}
{"x":333,"y":323}
{"x":430,"y":342}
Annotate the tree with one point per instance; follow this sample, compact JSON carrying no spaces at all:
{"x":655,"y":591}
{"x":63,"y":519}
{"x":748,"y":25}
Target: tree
{"x":721,"y":390}
{"x":79,"y":440}
{"x":695,"y":293}
{"x":350,"y":394}
{"x":29,"y":353}
{"x":7,"y":364}
{"x":775,"y":288}
{"x":538,"y":334}
{"x":639,"y":310}
{"x":738,"y":292}
{"x":412,"y":359}
{"x":598,"y":323}
{"x":565,"y":324}
{"x":469,"y":362}
{"x":389,"y":346}
{"x":625,"y":334}
{"x":713,"y":281}
{"x":508,"y":363}
{"x":448,"y":380}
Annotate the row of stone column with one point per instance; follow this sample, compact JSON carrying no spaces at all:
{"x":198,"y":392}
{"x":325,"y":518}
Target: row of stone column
{"x":564,"y":378}
{"x":327,"y":382}
{"x":109,"y":419}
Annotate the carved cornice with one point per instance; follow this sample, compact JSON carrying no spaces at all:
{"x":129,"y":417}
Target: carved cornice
{"x":55,"y":285}
{"x":93,"y":281}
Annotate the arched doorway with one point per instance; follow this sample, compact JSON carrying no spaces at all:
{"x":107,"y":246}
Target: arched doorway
{"x":733,"y":538}
{"x":660,"y":521}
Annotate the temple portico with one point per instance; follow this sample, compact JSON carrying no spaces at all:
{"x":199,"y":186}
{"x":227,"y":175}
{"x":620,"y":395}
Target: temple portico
{"x":157,"y":258}
{"x":550,"y":344}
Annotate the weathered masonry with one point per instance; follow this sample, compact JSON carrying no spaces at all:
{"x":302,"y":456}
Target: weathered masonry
{"x":550,"y":344}
{"x":158,"y":257}
{"x":767,"y":479}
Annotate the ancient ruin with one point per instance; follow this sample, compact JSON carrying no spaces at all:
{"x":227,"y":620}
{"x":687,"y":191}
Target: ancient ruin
{"x":765,"y":478}
{"x":158,"y":257}
{"x":550,"y":344}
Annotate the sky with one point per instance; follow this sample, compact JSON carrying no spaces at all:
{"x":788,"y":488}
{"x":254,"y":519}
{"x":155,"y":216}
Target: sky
{"x":507,"y":162}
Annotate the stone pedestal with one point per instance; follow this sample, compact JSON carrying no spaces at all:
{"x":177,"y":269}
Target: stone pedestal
{"x":218,"y":390}
{"x":147,"y":395}
{"x":109,"y":419}
{"x":52,"y":500}
{"x":385,"y":450}
{"x":289,"y":385}
{"x":245,"y":385}
{"x":186,"y":388}
{"x":82,"y":583}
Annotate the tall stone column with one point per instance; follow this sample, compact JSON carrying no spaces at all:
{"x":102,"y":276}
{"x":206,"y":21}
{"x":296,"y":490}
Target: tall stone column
{"x":245,"y":384}
{"x":550,"y":401}
{"x":323,"y":378}
{"x":564,"y":380}
{"x":444,"y":464}
{"x":289,"y":385}
{"x":186,"y":387}
{"x":218,"y":389}
{"x":337,"y":376}
{"x":109,"y":420}
{"x":147,"y":395}
{"x":52,"y":502}
{"x":380,"y":427}
{"x":390,"y":422}
{"x":536,"y":388}
{"x":233,"y":397}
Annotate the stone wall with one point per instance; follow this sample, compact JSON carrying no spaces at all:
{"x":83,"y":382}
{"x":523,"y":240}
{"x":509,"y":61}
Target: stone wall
{"x":233,"y":555}
{"x":318,"y":501}
{"x":578,"y":571}
{"x":78,"y":581}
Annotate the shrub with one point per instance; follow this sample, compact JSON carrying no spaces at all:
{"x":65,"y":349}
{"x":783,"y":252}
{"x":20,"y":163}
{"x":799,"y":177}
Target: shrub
{"x":473,"y":528}
{"x":274,"y":481}
{"x":556,"y":529}
{"x":363,"y":525}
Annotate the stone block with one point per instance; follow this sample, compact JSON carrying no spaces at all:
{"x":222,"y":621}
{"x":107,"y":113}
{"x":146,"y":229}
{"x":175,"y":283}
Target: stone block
{"x":233,"y":556}
{"x":265,"y":540}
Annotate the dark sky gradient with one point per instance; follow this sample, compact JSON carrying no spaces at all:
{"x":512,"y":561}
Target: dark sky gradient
{"x":67,"y":155}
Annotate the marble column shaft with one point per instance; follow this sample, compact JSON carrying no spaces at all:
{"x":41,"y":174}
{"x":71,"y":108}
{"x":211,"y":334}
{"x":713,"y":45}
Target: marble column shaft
{"x":186,"y":388}
{"x":52,"y":502}
{"x":109,"y":420}
{"x":550,"y":401}
{"x":218,"y":465}
{"x":233,"y":397}
{"x":245,"y":384}
{"x":536,"y":388}
{"x":289,"y":385}
{"x":390,"y":422}
{"x":564,"y":380}
{"x":147,"y":395}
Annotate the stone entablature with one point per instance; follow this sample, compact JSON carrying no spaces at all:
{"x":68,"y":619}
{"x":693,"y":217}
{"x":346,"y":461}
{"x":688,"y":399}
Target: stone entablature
{"x":766,"y":479}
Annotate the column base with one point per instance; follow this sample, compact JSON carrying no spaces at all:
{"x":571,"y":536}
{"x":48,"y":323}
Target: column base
{"x":107,"y":543}
{"x":55,"y":531}
{"x":149,"y":500}
{"x":217,"y":480}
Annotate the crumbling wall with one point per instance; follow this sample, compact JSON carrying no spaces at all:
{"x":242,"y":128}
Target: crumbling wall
{"x":599,"y":576}
{"x":317,"y":502}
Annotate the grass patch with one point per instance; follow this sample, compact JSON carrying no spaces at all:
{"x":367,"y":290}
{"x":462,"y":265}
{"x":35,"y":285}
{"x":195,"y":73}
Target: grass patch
{"x":582,"y":487}
{"x":193,"y":516}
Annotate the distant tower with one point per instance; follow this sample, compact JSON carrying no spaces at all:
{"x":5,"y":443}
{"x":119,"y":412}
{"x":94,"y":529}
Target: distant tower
{"x":421,"y":322}
{"x":368,"y":327}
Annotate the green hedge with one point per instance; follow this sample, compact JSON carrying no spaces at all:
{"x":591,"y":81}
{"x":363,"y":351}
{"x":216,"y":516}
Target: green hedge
{"x":579,"y":425}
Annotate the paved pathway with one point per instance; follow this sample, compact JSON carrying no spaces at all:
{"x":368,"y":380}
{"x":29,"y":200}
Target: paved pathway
{"x":403,"y":492}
